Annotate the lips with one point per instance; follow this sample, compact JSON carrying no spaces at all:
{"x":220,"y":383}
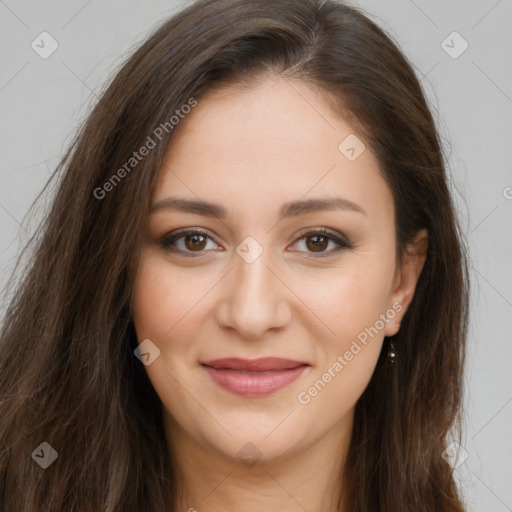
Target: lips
{"x":253,"y":378}
{"x":264,"y":364}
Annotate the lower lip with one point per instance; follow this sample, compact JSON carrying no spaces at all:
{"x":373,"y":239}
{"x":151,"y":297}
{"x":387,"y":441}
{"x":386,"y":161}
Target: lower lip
{"x":252,"y":384}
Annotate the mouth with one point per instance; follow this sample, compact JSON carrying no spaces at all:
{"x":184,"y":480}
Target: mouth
{"x":253,"y":378}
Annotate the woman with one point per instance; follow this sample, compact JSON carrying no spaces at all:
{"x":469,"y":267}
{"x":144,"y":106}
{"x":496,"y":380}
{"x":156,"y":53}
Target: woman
{"x":251,"y":290}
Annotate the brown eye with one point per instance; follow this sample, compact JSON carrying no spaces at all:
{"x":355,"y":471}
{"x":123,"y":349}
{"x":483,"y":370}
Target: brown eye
{"x":317,"y":243}
{"x":196,"y":241}
{"x":187,"y":243}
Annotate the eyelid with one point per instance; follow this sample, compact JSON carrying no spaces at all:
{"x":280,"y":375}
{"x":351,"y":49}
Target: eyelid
{"x":324,"y":231}
{"x":333,"y":236}
{"x":166,"y":240}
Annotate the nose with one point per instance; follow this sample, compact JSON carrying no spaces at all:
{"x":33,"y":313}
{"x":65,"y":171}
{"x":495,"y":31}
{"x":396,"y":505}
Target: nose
{"x":256,"y":300}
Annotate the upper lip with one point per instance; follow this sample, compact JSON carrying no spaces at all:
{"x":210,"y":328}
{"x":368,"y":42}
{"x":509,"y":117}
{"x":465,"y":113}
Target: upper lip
{"x":263,"y":364}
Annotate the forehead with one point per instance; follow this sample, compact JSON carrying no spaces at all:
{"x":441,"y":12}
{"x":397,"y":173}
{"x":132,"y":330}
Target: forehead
{"x":274,"y":141}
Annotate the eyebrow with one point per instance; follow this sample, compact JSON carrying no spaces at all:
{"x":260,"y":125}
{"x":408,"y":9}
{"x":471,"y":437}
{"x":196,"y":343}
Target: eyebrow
{"x":289,"y":209}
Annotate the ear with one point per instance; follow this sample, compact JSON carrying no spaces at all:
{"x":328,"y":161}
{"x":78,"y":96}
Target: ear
{"x":406,"y":278}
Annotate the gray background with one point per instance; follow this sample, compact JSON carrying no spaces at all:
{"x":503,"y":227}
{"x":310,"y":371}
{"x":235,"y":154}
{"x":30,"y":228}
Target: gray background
{"x":43,"y":100}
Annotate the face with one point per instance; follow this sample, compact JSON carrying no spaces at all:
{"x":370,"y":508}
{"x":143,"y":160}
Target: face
{"x":271,"y":271}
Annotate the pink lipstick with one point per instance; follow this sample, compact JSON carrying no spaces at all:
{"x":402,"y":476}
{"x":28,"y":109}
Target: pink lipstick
{"x":254,"y":377}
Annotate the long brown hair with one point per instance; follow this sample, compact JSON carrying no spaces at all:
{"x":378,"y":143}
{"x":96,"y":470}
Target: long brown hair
{"x":68,"y":375}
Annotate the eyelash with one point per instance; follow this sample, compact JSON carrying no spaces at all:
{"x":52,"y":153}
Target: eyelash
{"x":168,"y":240}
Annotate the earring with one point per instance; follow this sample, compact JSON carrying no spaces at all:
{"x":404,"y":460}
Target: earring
{"x":391,"y":352}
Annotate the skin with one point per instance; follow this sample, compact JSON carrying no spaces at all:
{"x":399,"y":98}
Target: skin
{"x":251,"y":150}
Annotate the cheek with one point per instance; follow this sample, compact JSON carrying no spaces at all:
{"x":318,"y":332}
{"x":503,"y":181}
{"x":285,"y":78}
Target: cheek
{"x":354,"y":303}
{"x":163,"y":308}
{"x":162,"y":298}
{"x":354,"y":307}
{"x":350,"y":298}
{"x":152,"y":301}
